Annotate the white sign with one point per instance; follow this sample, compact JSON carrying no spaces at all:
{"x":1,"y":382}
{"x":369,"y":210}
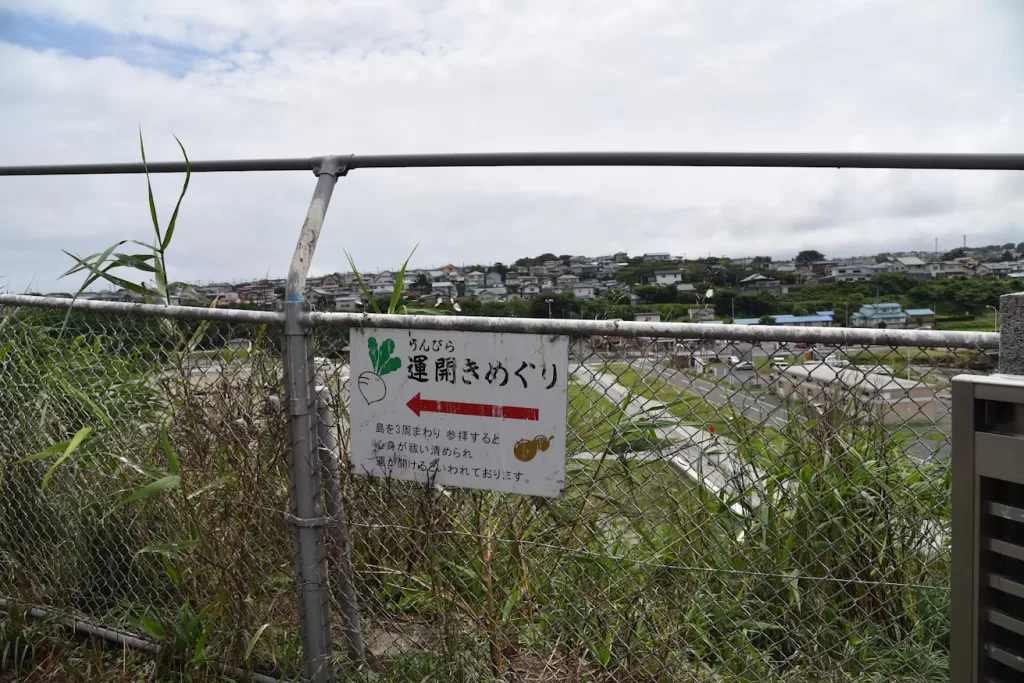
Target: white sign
{"x":471,"y":409}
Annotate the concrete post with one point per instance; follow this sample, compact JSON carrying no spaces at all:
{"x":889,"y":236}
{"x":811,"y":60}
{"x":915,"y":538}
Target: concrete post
{"x":1011,"y":337}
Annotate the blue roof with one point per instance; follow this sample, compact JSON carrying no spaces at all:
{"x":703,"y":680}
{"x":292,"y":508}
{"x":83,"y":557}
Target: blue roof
{"x":786,"y":319}
{"x":826,"y":312}
{"x":920,"y":311}
{"x":802,"y":318}
{"x":900,"y":314}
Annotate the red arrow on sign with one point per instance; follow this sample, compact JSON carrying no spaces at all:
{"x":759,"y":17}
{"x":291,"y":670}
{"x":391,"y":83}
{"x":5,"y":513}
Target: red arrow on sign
{"x":420,"y":405}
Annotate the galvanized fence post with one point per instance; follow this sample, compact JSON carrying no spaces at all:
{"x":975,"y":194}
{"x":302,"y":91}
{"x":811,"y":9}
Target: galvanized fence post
{"x":307,"y":512}
{"x":329,"y":462}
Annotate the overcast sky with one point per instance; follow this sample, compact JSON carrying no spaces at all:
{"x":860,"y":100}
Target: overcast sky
{"x":247,"y":78}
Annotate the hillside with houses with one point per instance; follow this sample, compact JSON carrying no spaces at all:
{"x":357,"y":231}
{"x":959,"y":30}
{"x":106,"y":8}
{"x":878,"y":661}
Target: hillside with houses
{"x":807,"y":290}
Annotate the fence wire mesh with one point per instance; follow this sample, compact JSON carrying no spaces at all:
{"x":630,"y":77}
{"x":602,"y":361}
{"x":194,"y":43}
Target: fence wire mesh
{"x":167,"y":519}
{"x":733,"y":510}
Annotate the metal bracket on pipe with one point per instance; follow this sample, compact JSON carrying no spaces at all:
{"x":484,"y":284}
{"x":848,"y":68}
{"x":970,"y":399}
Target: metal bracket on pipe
{"x":336,"y":166}
{"x":304,"y":523}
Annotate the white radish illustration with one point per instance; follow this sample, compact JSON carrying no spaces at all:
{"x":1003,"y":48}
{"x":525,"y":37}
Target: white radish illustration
{"x":371,"y":383}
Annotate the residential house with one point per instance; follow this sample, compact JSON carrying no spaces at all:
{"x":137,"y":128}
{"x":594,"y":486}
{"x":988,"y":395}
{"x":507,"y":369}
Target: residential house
{"x":761,"y":283}
{"x":493,"y":278}
{"x":436,"y":276}
{"x":947,"y":269}
{"x":578,"y":259}
{"x":686,"y":288}
{"x":529,"y":291}
{"x":999,"y":269}
{"x":656,"y":257}
{"x":920,"y":317}
{"x":911,"y":266}
{"x":565,"y":283}
{"x":447,"y":290}
{"x":849,"y":273}
{"x":668,"y":277}
{"x":475,"y":278}
{"x":583,"y":290}
{"x":824,"y":267}
{"x":583,"y":269}
{"x":701,"y":314}
{"x":883,"y":315}
{"x":492,"y":294}
{"x":449,"y":270}
{"x":890,"y":399}
{"x":620,"y":257}
{"x":348,"y":302}
{"x":784,"y":266}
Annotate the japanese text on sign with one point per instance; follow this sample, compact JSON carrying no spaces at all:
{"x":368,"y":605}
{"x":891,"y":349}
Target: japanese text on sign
{"x":470,"y":409}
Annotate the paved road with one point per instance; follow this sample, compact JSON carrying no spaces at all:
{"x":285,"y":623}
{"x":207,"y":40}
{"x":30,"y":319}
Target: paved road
{"x":768,"y":410}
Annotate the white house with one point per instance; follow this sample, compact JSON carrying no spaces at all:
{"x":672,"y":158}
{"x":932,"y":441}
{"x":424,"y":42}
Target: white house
{"x":565,"y":283}
{"x":887,"y":315}
{"x":844,"y":273}
{"x":583,"y":291}
{"x":347,"y":302}
{"x":531,"y":290}
{"x":668,"y":277}
{"x":653,"y":317}
{"x":911,"y":266}
{"x":444,"y":288}
{"x":474,"y":278}
{"x":656,"y":257}
{"x":492,"y":294}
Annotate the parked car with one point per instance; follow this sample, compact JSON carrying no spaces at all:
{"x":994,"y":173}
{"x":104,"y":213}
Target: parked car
{"x":743,"y":365}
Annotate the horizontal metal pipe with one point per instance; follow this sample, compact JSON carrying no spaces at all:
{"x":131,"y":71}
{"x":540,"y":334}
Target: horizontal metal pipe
{"x":751,"y":333}
{"x":150,"y":310}
{"x":992,"y":162}
{"x":212,"y":166}
{"x":129,"y":641}
{"x":747,"y":159}
{"x":748,"y":333}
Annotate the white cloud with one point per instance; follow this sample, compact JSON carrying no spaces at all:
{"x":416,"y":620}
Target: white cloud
{"x":306,"y":78}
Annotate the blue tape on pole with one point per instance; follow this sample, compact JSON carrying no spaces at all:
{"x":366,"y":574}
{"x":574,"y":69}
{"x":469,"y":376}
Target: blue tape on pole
{"x":294,"y":298}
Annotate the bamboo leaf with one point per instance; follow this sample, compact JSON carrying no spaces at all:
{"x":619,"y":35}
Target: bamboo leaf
{"x":173,"y":464}
{"x":396,"y":295}
{"x":72,"y":446}
{"x":170,"y":481}
{"x":255,"y":639}
{"x":47,"y":452}
{"x":174,"y":216}
{"x":149,"y":189}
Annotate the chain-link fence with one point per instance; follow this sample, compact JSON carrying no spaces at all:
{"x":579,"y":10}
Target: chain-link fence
{"x":734,"y":510}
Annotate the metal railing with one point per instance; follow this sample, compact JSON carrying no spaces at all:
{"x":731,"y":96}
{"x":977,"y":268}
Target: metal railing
{"x":785,"y":522}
